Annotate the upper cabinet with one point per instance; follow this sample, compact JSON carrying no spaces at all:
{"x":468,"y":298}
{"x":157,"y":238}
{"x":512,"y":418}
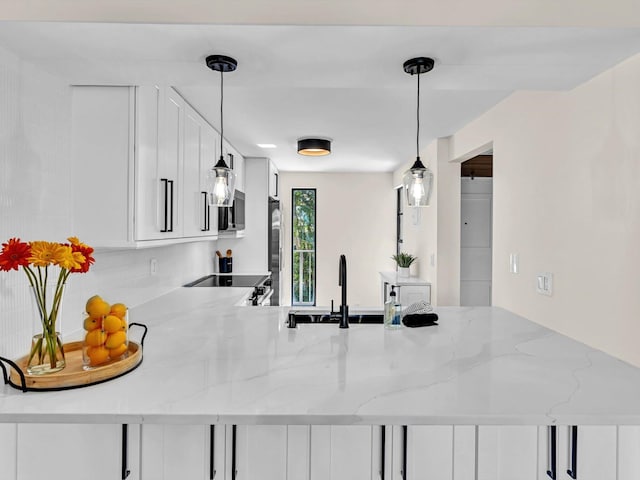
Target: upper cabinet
{"x":273,"y":181}
{"x":140,"y":159}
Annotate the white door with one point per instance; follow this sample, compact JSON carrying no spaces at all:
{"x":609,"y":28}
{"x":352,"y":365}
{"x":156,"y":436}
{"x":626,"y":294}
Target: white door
{"x":344,"y":452}
{"x":8,"y":439}
{"x":74,"y":452}
{"x":475,"y":241}
{"x":171,"y":452}
{"x":261,"y":452}
{"x":507,"y":452}
{"x":628,"y":452}
{"x":596,"y":453}
{"x":430,"y":452}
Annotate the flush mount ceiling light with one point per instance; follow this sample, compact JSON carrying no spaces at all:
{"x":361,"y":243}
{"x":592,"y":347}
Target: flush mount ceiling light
{"x":221,"y":179}
{"x":418,"y":180}
{"x":314,"y":147}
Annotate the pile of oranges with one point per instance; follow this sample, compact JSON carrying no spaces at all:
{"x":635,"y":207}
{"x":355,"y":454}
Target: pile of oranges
{"x":106,"y":327}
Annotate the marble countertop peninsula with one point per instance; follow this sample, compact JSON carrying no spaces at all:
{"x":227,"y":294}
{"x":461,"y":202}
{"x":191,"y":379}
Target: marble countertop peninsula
{"x":207,"y":361}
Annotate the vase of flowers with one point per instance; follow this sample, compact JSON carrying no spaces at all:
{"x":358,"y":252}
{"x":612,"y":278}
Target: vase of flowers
{"x":403,"y":261}
{"x":47,"y":266}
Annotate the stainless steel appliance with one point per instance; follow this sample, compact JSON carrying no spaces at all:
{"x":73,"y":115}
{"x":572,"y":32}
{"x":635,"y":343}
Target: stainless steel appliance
{"x":260,"y":296}
{"x":274,"y":242}
{"x":232,"y":218}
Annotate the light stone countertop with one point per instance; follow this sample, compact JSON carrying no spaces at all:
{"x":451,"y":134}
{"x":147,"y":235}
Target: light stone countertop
{"x":207,"y":361}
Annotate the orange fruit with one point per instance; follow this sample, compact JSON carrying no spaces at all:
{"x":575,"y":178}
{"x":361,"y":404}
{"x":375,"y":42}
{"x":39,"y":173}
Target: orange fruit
{"x":123,"y":327}
{"x":91,"y":324}
{"x":111,"y":324}
{"x":114,"y":340}
{"x":119,"y":310}
{"x":97,"y":355}
{"x":118,"y":351}
{"x":96,"y":307}
{"x":95,"y":338}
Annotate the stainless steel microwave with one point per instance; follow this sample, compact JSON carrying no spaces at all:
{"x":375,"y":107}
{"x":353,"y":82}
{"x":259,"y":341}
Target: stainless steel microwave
{"x":232,"y":218}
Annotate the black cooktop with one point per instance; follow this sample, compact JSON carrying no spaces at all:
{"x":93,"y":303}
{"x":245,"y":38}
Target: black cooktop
{"x":228,"y":281}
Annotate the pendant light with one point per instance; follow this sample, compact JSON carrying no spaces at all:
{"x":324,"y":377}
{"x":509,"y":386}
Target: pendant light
{"x":221,"y":180}
{"x":418,"y":180}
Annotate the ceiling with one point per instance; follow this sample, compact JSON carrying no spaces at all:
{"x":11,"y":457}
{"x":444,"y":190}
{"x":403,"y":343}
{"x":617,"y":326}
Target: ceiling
{"x":345,"y":83}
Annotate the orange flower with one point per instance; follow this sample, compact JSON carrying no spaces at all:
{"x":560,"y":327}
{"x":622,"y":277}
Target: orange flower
{"x":14,"y":254}
{"x":44,"y":254}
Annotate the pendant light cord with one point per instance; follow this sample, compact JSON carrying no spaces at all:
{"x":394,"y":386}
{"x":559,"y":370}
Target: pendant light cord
{"x":221,"y":114}
{"x":418,"y":120}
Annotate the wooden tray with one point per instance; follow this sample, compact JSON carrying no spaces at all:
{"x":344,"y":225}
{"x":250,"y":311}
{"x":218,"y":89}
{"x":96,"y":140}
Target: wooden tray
{"x":73,"y":375}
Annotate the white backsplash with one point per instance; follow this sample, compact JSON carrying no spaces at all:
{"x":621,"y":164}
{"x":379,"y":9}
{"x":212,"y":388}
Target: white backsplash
{"x":35,"y":204}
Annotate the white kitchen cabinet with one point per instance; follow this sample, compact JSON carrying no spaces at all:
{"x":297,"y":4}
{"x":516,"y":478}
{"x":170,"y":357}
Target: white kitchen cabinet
{"x":594,"y":455}
{"x":274,"y":181}
{"x":628,"y":452}
{"x":75,"y":452}
{"x":345,"y":452}
{"x":132,"y":187}
{"x":408,"y":289}
{"x":507,"y":452}
{"x":261,"y":452}
{"x":200,"y":219}
{"x":183,"y":451}
{"x":8,"y":453}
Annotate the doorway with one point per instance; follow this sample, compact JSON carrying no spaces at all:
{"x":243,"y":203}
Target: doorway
{"x":476,"y":218}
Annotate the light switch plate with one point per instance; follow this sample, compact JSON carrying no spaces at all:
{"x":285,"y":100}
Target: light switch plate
{"x":544,"y":283}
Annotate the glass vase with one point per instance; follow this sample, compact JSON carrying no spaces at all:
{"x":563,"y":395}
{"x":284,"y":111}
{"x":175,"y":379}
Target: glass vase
{"x":47,"y":352}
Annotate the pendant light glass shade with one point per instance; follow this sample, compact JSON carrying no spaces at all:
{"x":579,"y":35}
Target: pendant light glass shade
{"x":221,"y":183}
{"x":221,"y":180}
{"x":418,"y":180}
{"x":418,"y":183}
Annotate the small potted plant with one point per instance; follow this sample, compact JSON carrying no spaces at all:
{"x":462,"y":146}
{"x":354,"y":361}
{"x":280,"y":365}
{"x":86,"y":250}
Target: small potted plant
{"x":404,"y":261}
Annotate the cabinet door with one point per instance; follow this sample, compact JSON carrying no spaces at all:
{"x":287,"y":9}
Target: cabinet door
{"x":261,"y":452}
{"x":179,"y":451}
{"x":507,"y":452}
{"x":73,"y":452}
{"x":170,"y":160}
{"x":344,"y":453}
{"x":429,"y":452}
{"x":596,"y":453}
{"x":628,"y":452}
{"x":8,"y":452}
{"x":274,"y":177}
{"x":198,"y":147}
{"x":408,"y":294}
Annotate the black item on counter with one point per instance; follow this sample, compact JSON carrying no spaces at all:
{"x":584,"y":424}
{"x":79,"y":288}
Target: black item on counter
{"x":225,"y":264}
{"x":420,"y":320}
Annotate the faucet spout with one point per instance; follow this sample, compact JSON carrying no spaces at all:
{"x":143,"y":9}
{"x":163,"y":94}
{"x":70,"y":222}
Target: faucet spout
{"x":342,"y":282}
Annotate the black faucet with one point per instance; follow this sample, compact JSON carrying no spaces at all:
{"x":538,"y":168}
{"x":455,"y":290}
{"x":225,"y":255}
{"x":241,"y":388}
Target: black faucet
{"x":342,"y":281}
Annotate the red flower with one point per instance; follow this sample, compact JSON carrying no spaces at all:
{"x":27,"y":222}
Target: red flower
{"x":14,"y":254}
{"x":86,"y":251}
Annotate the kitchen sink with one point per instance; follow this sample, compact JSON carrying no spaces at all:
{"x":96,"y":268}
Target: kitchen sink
{"x":317,"y":317}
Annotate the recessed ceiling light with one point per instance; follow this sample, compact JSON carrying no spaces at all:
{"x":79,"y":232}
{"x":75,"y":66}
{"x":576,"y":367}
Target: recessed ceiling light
{"x":266,"y":145}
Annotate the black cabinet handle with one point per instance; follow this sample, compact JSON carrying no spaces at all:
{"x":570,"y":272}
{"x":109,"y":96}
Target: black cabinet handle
{"x":166,"y":205}
{"x":383,"y":447}
{"x":404,"y":453}
{"x":551,"y":452}
{"x":234,"y":472}
{"x":573,"y":452}
{"x":171,"y":205}
{"x":125,"y":449}
{"x":205,"y":210}
{"x":212,"y":452}
{"x":277,"y":182}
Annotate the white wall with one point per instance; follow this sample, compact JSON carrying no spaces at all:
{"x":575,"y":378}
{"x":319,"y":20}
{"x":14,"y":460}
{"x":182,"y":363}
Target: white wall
{"x":355,"y":215}
{"x":35,"y":204}
{"x":566,"y":199}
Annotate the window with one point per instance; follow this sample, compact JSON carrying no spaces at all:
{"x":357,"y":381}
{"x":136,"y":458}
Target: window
{"x":399,"y":191}
{"x":303,"y":246}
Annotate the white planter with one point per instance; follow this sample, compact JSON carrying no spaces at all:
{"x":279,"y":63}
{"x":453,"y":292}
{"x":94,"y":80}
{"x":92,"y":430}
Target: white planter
{"x":403,"y":271}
